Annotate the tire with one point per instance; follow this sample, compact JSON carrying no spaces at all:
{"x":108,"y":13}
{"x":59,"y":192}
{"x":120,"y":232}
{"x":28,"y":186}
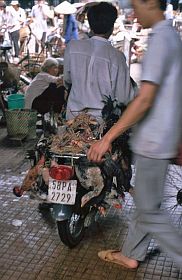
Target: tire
{"x":71,"y":231}
{"x":173,"y":194}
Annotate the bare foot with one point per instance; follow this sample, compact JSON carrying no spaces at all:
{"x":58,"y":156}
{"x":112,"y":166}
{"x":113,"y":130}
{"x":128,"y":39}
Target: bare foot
{"x":117,"y":258}
{"x":125,"y":261}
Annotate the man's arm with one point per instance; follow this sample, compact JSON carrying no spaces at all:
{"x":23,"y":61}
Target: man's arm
{"x":134,"y":112}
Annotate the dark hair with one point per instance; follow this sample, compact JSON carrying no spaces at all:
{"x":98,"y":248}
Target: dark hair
{"x":101,"y":17}
{"x":163,"y":4}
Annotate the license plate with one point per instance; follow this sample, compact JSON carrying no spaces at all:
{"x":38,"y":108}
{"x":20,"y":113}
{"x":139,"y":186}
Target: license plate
{"x":63,"y":192}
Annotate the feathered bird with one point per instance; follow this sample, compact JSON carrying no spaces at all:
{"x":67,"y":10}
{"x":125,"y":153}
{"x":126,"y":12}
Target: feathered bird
{"x":96,"y":178}
{"x":111,"y":113}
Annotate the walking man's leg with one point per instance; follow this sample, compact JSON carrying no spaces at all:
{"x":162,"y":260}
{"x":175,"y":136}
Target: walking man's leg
{"x":149,"y":218}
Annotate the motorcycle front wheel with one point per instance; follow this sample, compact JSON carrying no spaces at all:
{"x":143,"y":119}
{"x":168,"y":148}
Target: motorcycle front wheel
{"x":71,"y":231}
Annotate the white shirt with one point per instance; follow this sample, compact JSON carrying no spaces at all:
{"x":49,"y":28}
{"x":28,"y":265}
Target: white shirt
{"x":95,"y":69}
{"x":21,"y":15}
{"x":39,"y":13}
{"x":40,"y":83}
{"x":15,"y":19}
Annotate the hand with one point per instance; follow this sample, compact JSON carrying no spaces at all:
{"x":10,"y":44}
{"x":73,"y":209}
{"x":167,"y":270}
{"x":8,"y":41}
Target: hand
{"x":59,"y":82}
{"x":98,"y":149}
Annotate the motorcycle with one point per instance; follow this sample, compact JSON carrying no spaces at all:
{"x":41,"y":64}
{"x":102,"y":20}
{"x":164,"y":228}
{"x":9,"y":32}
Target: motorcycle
{"x":65,"y":184}
{"x":77,"y":191}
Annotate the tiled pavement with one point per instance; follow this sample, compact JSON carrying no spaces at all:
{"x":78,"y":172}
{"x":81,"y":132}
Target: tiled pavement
{"x":12,"y":153}
{"x":32,"y":250}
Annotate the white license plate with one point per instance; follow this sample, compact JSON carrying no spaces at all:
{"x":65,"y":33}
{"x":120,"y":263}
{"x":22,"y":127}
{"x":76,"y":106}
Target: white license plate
{"x":63,"y":192}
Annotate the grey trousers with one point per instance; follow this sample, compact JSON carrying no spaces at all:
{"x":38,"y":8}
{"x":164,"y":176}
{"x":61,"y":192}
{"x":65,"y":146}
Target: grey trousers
{"x":148,"y":218}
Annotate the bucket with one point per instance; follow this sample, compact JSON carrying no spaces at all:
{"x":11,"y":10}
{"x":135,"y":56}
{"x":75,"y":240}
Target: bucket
{"x":21,"y":122}
{"x":16,"y":101}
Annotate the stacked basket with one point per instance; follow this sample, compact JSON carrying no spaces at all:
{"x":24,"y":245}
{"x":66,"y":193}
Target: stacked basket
{"x":21,"y":122}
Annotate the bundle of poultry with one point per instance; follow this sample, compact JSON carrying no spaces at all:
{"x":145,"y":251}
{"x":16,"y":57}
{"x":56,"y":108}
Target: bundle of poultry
{"x":76,"y":135}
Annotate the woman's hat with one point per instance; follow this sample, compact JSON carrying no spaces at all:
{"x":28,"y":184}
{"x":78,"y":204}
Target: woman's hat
{"x":13,"y":3}
{"x":78,"y":5}
{"x":65,"y":8}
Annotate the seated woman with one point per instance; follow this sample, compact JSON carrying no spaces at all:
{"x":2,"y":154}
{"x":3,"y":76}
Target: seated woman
{"x":46,"y":91}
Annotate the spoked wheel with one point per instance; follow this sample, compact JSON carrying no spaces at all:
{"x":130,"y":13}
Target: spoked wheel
{"x":173,"y":194}
{"x":71,"y":231}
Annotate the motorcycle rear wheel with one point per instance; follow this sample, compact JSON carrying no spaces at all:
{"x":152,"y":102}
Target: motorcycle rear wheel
{"x":71,"y":231}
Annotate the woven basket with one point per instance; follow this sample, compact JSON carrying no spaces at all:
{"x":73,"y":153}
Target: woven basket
{"x":21,"y":122}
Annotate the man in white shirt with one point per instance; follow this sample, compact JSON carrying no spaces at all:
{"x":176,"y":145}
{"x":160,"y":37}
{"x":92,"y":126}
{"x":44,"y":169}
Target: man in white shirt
{"x":19,"y":12}
{"x":94,"y":68}
{"x":39,"y":14}
{"x":16,"y":20}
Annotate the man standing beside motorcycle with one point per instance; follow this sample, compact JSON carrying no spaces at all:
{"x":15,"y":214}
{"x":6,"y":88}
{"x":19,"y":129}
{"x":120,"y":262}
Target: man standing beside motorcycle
{"x":93,"y":68}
